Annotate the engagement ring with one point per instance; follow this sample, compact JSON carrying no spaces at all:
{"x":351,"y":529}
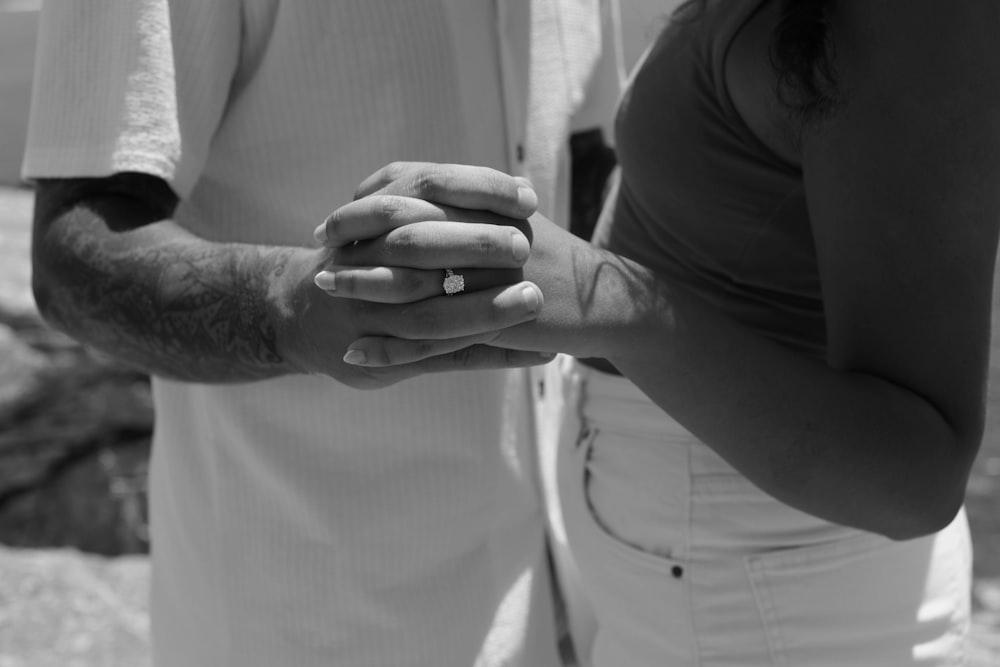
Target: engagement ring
{"x":453,"y":282}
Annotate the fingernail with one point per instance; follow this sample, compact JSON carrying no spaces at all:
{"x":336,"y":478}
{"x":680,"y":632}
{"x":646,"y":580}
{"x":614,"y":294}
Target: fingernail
{"x":531,"y":299}
{"x":320,"y":233}
{"x":519,"y":246}
{"x":527,"y":200}
{"x":326,"y":280}
{"x":355,"y":357}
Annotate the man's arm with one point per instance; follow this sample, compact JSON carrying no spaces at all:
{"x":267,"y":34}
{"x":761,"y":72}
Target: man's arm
{"x":113,"y":270}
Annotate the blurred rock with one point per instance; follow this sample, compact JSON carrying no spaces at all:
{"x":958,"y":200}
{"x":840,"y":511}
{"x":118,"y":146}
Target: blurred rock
{"x":74,"y":425}
{"x":985,"y":649}
{"x":21,"y":368}
{"x":75,"y":432}
{"x":74,"y":448}
{"x":62,"y":608}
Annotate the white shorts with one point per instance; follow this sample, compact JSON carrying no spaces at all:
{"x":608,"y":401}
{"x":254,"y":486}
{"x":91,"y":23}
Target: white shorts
{"x":688,"y":563}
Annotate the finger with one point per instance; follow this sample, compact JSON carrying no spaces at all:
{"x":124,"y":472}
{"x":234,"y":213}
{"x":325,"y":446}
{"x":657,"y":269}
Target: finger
{"x":375,"y":215}
{"x":437,"y":244}
{"x":466,"y":314}
{"x":391,"y":284}
{"x":390,"y":173}
{"x":464,"y":186}
{"x":471,"y":357}
{"x":387,"y":351}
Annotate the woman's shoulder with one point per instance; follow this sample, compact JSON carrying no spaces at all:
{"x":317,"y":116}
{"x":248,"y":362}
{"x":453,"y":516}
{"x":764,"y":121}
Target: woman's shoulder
{"x":752,"y":81}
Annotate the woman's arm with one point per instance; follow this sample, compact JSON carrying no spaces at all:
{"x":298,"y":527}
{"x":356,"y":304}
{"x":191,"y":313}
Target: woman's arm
{"x":902,"y":189}
{"x":901,"y":183}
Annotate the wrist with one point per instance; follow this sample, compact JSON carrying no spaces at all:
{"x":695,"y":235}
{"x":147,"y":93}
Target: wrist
{"x":290,"y":290}
{"x":630,"y":308}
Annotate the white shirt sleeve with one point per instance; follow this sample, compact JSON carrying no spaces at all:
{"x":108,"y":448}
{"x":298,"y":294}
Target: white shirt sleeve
{"x":137,"y":85}
{"x":606,"y":82}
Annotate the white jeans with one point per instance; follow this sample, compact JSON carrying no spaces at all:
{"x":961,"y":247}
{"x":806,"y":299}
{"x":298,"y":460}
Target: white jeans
{"x":688,"y":563}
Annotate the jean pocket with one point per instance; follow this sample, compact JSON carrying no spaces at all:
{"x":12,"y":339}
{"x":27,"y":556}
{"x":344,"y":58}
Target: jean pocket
{"x":861,"y":600}
{"x":591,"y":532}
{"x":641,"y":599}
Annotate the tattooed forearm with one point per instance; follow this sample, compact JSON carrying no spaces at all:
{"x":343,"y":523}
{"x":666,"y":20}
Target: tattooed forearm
{"x":181,"y":308}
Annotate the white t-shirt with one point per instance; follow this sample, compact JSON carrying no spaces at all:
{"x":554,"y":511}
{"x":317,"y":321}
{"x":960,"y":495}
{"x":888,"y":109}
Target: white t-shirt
{"x":297,"y":521}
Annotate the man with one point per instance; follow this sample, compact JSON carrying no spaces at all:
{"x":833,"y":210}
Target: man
{"x":184,"y":154}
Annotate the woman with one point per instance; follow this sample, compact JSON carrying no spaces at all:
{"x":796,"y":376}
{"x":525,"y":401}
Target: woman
{"x":795,"y":278}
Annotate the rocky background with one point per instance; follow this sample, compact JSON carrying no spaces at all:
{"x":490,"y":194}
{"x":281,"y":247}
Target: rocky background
{"x":74,"y":446}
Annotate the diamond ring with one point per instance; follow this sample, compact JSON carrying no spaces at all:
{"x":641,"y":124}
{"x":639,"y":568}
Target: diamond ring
{"x":453,"y":282}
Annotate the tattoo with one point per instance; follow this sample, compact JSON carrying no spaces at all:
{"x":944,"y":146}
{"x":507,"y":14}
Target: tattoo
{"x":180,"y":308}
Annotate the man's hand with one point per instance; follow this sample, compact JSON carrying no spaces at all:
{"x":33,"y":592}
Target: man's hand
{"x":565,"y":267}
{"x":461,"y":186}
{"x":377,"y":254}
{"x":113,"y":270}
{"x":409,"y":223}
{"x":474,"y":222}
{"x":315,"y":330}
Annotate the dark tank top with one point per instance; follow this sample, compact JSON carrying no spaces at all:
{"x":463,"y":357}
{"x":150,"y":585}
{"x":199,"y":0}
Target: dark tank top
{"x":701,"y":199}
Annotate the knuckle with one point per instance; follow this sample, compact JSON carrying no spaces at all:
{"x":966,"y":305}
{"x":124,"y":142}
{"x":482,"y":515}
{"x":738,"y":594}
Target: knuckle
{"x":502,"y":184}
{"x":428,"y":182}
{"x":384,"y":353}
{"x":492,"y":182}
{"x":403,"y":241}
{"x":347,"y":282}
{"x":334,"y":225}
{"x":388,"y":208}
{"x":394,"y":170}
{"x":411,"y":284}
{"x":487,"y":243}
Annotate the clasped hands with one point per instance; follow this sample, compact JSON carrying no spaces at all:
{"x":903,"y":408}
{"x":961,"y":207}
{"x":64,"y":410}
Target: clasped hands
{"x":410,"y":222}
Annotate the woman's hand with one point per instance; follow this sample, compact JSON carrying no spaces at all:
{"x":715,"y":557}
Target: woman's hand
{"x":591,"y":293}
{"x":411,"y":223}
{"x":379,"y":253}
{"x":593,"y":301}
{"x":476,"y":224}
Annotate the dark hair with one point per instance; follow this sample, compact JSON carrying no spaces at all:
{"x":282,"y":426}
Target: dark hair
{"x":801,"y":52}
{"x":802,"y":49}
